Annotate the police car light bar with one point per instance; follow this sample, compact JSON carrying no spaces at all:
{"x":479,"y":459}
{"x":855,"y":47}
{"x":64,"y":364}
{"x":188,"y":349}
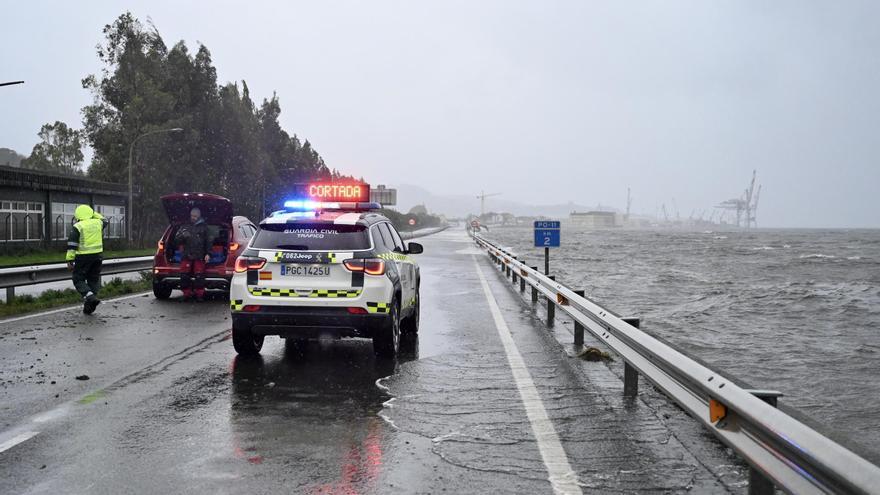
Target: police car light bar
{"x":302,"y":205}
{"x":310,"y":207}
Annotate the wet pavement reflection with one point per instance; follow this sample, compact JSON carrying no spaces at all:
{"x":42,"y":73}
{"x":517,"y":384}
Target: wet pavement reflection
{"x":313,"y":407}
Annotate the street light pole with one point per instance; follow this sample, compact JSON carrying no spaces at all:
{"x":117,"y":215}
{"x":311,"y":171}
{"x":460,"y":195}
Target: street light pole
{"x":130,"y":212}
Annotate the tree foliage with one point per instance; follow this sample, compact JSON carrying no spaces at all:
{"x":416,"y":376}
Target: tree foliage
{"x":229,"y":145}
{"x":59,"y":150}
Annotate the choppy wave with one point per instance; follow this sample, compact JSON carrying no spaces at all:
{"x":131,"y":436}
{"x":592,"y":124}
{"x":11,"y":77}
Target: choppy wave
{"x":808,"y":323}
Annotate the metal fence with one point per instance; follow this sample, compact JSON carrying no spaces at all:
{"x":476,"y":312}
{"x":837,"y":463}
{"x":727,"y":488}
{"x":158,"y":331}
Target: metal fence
{"x":17,"y":276}
{"x":780,"y":450}
{"x":406,"y":236}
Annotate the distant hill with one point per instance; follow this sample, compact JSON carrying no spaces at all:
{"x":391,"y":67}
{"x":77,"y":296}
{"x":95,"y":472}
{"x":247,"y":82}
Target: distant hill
{"x":461,"y":205}
{"x":10,"y":158}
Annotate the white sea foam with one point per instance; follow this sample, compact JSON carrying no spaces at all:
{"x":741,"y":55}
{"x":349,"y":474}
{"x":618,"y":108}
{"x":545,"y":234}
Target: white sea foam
{"x":817,"y":256}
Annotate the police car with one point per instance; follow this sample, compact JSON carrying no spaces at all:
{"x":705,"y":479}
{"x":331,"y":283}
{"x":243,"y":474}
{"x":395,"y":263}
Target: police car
{"x":325,"y":268}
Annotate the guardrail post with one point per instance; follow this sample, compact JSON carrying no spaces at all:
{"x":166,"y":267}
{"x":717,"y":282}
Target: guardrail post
{"x":10,"y":294}
{"x":551,"y":307}
{"x":522,"y":284}
{"x":578,"y":328}
{"x":534,"y":288}
{"x":758,"y":483}
{"x":513,"y":273}
{"x":630,"y":374}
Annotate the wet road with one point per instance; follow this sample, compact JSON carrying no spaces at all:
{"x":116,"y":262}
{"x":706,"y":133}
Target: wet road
{"x":480,"y":402}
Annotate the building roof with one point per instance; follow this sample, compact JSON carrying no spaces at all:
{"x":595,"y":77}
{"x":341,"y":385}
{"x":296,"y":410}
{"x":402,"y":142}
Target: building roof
{"x":38,"y":180}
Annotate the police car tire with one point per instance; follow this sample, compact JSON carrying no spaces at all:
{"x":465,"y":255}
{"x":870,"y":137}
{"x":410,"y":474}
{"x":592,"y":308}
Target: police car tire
{"x":244,"y":341}
{"x":161,"y":291}
{"x":386,"y":342}
{"x":411,"y":324}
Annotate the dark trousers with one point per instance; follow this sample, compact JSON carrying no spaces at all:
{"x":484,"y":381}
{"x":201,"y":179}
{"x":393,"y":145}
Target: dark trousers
{"x":87,"y":273}
{"x":192,"y":277}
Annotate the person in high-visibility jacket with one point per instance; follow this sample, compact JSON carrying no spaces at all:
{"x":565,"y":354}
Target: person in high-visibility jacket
{"x":85,"y":246}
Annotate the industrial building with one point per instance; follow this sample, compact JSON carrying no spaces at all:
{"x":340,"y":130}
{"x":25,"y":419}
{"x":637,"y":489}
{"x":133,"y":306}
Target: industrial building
{"x":36,"y":208}
{"x":594,"y":219}
{"x":383,"y":195}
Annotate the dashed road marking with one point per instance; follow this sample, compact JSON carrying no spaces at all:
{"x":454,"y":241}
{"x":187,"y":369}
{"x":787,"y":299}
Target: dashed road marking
{"x":17,"y":439}
{"x":561,"y":476}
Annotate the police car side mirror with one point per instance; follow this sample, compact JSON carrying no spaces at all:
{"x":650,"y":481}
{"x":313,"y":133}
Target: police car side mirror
{"x":414,"y":248}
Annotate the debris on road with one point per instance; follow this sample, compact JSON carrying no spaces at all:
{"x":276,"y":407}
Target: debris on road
{"x":594,"y":354}
{"x":82,"y":377}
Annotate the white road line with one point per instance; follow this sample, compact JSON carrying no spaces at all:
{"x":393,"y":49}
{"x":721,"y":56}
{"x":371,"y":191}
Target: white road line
{"x":70,"y":308}
{"x":21,"y":437}
{"x":561,"y":476}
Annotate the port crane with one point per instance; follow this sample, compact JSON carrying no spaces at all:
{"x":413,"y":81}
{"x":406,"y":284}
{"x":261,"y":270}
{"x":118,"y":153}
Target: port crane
{"x":753,"y":216}
{"x":746,"y":204}
{"x":629,"y":201}
{"x":482,"y":197}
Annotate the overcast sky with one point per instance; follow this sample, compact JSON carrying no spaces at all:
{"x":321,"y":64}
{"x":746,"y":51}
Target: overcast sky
{"x":543,"y":101}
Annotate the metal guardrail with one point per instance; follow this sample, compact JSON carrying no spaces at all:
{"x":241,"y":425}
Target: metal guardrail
{"x":407,"y":236}
{"x":10,"y":278}
{"x":13,"y":277}
{"x":780,"y":450}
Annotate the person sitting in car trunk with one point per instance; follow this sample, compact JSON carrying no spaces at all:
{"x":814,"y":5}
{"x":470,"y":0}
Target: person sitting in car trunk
{"x":195,"y":243}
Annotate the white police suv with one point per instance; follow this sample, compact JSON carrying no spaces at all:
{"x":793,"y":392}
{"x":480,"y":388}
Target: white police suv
{"x":325,"y":269}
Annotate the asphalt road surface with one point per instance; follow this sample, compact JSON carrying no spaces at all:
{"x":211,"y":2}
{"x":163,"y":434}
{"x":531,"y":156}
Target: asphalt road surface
{"x":485,"y":400}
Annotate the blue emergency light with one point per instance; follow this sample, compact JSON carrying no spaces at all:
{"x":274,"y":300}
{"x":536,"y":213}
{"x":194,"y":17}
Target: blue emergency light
{"x":310,"y":206}
{"x":301,"y":205}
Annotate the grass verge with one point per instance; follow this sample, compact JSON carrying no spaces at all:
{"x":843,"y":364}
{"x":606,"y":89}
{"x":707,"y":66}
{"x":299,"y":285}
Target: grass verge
{"x":54,"y":298}
{"x":39,"y":257}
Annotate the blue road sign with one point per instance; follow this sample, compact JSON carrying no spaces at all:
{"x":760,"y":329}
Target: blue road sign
{"x":547,"y":224}
{"x":547,"y":233}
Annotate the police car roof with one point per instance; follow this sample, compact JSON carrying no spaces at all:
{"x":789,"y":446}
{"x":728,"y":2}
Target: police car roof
{"x":338,"y":217}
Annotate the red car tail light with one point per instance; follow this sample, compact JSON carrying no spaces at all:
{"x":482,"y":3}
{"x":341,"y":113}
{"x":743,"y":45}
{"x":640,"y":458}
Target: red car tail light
{"x":370,"y":266}
{"x":161,"y":247}
{"x":357,"y":311}
{"x":374,"y":267}
{"x":243,"y":264}
{"x":251,"y":308}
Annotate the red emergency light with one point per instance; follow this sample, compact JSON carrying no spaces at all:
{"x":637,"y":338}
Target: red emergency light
{"x":325,"y":192}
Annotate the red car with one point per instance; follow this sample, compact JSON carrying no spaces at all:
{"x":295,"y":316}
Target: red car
{"x":231,"y":235}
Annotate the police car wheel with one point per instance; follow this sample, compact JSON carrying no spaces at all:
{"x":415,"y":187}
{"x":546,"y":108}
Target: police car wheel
{"x":386,"y":342}
{"x":161,"y":291}
{"x":244,"y":341}
{"x":411,"y":324}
